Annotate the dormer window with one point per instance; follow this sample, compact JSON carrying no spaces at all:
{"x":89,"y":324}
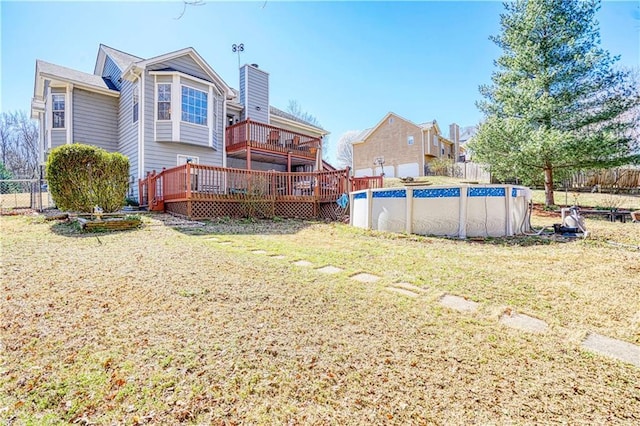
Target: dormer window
{"x":58,"y":102}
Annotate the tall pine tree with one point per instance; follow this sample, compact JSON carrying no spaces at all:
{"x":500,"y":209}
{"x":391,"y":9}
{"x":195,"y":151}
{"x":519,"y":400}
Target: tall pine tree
{"x":557,"y":104}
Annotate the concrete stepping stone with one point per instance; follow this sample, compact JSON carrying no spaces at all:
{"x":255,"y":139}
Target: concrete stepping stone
{"x":365,"y":278}
{"x":225,"y":243}
{"x":410,"y":287}
{"x":329,"y":270}
{"x":278,"y":256}
{"x":259,"y":252}
{"x":303,"y":263}
{"x":523,"y":322}
{"x":402,"y":291}
{"x":458,"y":303}
{"x":213,"y":239}
{"x":618,"y":349}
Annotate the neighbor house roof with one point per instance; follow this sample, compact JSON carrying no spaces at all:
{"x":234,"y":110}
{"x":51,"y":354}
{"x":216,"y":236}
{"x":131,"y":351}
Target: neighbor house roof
{"x":79,"y":78}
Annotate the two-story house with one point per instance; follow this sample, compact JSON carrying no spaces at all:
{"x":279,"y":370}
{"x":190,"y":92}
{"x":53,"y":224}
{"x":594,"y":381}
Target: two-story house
{"x":398,"y":147}
{"x":170,"y":109}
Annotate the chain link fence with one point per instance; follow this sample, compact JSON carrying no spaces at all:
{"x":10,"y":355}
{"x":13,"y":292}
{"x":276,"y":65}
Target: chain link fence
{"x":24,"y":194}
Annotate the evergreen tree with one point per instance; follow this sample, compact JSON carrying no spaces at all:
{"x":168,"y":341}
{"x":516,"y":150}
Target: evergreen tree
{"x":557,"y":104}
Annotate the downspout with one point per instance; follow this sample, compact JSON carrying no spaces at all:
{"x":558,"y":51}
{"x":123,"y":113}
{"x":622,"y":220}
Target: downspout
{"x":422,"y":173}
{"x":142,"y":114}
{"x":224,"y":130}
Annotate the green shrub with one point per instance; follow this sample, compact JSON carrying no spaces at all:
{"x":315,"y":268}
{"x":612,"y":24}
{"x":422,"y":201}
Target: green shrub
{"x":81,"y":177}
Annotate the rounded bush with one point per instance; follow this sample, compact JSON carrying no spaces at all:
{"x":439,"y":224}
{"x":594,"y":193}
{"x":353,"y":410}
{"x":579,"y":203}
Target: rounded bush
{"x":81,"y":177}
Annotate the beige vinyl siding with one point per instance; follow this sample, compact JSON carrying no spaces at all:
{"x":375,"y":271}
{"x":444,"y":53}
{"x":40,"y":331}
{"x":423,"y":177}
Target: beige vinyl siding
{"x":95,"y":119}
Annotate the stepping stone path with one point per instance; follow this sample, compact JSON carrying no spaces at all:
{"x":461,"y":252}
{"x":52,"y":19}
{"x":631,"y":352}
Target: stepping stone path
{"x":259,"y":252}
{"x":458,"y":303}
{"x":278,"y":256}
{"x":365,"y":278}
{"x":303,"y":263}
{"x":523,"y":322}
{"x":225,"y":243}
{"x":329,"y":270}
{"x":622,"y":351}
{"x":213,"y":239}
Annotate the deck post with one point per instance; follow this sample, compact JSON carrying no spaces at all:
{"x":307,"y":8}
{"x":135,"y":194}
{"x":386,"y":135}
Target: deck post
{"x":188,"y":180}
{"x":248,"y":156}
{"x":289,"y":161}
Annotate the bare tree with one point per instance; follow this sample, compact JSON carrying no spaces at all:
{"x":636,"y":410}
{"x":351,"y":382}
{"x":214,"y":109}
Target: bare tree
{"x":186,"y":3}
{"x":344,"y":150}
{"x":19,"y":144}
{"x":6,"y":136}
{"x":295,"y":109}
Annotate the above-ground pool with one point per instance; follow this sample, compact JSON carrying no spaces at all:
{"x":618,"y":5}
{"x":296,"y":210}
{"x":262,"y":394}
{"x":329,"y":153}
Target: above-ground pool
{"x":455,"y":211}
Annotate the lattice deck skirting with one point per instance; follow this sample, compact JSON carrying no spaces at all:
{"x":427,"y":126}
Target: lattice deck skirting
{"x":197,"y":210}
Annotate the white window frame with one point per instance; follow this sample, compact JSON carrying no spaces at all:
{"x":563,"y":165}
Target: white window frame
{"x":63,"y":110}
{"x":182,"y":110}
{"x":410,"y":140}
{"x":435,"y":140}
{"x":135,"y":108}
{"x":183,"y":159}
{"x":165,"y":101}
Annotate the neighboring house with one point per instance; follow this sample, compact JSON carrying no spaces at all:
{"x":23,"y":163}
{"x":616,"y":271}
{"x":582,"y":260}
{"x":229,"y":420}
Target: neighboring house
{"x":399,"y":147}
{"x":170,"y":109}
{"x":466,"y":134}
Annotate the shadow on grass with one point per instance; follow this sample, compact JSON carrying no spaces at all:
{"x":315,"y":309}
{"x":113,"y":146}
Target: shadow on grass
{"x":69,"y":228}
{"x":228,"y":226}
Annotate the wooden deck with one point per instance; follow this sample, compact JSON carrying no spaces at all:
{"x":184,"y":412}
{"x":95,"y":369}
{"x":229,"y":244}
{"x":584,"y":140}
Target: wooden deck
{"x":200,"y":191}
{"x":249,"y":138}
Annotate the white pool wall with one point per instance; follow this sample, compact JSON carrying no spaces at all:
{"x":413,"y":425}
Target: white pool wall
{"x":455,"y":211}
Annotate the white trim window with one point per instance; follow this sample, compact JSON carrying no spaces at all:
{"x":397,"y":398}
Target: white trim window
{"x":194,"y":106}
{"x":136,"y":103}
{"x":58,"y":110}
{"x":409,"y":140}
{"x":164,"y":101}
{"x":184,"y":159}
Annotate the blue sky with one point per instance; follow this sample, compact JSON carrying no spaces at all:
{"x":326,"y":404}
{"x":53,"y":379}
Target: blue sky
{"x":347,"y":63}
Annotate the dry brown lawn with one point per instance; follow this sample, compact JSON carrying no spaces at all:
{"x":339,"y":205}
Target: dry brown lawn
{"x":165,"y":326}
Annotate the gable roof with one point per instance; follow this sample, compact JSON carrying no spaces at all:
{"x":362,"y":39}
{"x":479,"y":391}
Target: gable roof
{"x":78,"y":78}
{"x":366,"y":133}
{"x":187,"y":51}
{"x":121,"y":59}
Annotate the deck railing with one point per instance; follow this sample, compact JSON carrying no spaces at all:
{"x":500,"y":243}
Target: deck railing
{"x":270,"y":138}
{"x":201,"y":182}
{"x":366,"y":182}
